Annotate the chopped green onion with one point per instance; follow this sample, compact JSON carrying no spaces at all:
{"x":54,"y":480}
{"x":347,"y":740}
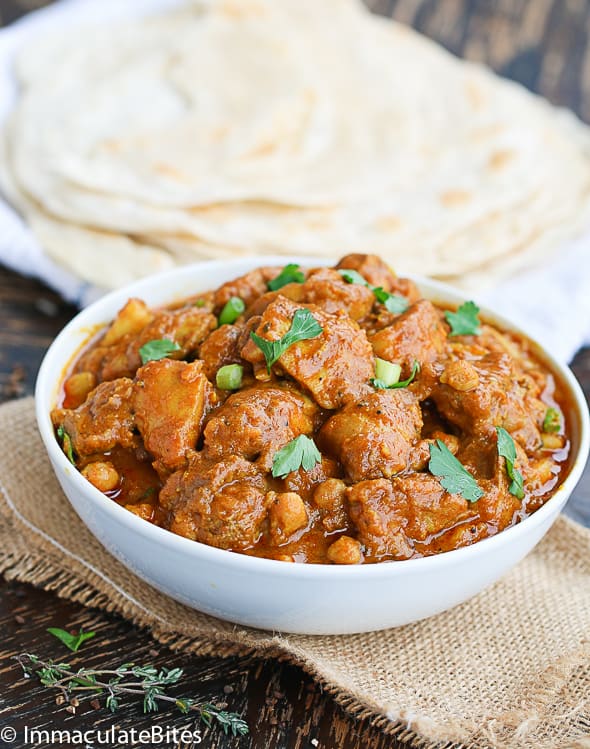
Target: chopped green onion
{"x":380,"y":384}
{"x":232,"y":310}
{"x":352,"y":276}
{"x":229,"y":377}
{"x":552,"y":421}
{"x":387,"y":372}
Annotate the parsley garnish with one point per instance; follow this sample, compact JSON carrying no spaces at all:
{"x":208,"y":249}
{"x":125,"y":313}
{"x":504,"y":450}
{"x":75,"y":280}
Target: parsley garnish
{"x":464,"y":321}
{"x":299,"y":453}
{"x":393,"y":303}
{"x":303,"y":327}
{"x":454,"y":477}
{"x":289,"y":274}
{"x":552,"y":421}
{"x":156,"y":350}
{"x":66,"y":443}
{"x":507,"y":450}
{"x":72,"y":642}
{"x":380,"y":385}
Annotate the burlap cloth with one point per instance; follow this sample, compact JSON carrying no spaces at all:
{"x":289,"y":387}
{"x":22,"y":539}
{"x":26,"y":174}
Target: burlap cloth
{"x":510,"y":668}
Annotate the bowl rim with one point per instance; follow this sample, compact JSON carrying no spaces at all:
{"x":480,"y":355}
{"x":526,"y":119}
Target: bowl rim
{"x":50,"y":375}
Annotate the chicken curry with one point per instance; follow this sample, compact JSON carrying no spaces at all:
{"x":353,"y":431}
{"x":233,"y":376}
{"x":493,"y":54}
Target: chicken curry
{"x":326,"y":415}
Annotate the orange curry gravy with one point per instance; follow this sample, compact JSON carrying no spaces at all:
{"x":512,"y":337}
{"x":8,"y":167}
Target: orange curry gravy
{"x":311,"y":456}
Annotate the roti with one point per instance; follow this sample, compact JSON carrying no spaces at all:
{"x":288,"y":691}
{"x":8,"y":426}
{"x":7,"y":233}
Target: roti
{"x":249,"y":126}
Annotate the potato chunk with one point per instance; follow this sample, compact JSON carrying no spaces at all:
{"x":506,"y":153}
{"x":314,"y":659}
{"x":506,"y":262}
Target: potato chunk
{"x":170,"y":400}
{"x":132,"y":318}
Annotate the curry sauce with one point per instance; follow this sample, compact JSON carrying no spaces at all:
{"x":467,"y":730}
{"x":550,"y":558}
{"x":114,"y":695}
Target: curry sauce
{"x":327,"y":415}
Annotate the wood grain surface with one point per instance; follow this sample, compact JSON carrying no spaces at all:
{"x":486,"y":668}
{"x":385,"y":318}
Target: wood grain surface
{"x":541,"y":43}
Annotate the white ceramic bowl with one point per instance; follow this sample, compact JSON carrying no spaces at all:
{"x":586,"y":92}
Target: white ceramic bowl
{"x":305,"y":598}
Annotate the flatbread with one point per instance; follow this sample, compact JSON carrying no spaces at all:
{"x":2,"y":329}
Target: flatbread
{"x":234,"y":127}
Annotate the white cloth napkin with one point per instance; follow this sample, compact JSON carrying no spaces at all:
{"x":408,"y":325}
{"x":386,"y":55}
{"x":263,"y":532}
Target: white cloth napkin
{"x":551,"y":303}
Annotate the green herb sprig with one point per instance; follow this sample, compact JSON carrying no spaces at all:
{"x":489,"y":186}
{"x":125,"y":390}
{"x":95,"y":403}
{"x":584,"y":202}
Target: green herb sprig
{"x":454,"y":477}
{"x":129,"y":679}
{"x":394,"y":303}
{"x":303,"y":327}
{"x":299,"y":453}
{"x":157,"y":349}
{"x":72,"y":642}
{"x":66,"y":444}
{"x":289,"y":274}
{"x":507,"y":450}
{"x":465,"y":320}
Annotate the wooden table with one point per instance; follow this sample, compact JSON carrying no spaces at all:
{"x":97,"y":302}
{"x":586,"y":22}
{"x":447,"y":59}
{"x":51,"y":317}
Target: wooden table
{"x":543,"y":44}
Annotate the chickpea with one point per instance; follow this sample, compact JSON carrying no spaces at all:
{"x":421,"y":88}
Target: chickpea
{"x":329,"y":495}
{"x":101,"y":475}
{"x":345,"y":550}
{"x":143,"y":510}
{"x":287,"y":514}
{"x":460,"y":375}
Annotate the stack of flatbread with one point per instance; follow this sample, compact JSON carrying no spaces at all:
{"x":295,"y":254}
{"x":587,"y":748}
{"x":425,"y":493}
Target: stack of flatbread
{"x":234,"y":127}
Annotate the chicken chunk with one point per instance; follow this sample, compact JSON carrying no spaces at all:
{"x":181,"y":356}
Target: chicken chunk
{"x":256,"y":422}
{"x":104,"y":420}
{"x":222,"y":504}
{"x":248,"y":287}
{"x":391,"y":515}
{"x":327,"y":289}
{"x":374,"y":437}
{"x":372,"y":269}
{"x":221,"y":347}
{"x":170,"y":401}
{"x":335,"y":366}
{"x":430,"y":508}
{"x":380,"y":516}
{"x":500,"y":398}
{"x":329,"y":498}
{"x":416,"y":335}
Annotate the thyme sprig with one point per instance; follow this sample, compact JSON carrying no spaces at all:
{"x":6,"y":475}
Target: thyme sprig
{"x":128,"y":679}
